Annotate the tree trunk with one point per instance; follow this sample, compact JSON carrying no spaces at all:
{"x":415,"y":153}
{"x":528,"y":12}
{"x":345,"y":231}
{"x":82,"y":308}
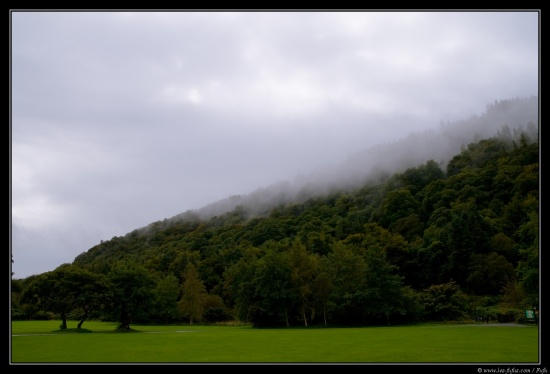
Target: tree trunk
{"x":286,"y":317}
{"x":63,"y":321}
{"x":124,"y":319}
{"x":82,"y":320}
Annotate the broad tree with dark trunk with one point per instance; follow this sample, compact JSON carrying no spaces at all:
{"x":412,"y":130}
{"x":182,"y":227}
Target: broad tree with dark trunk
{"x":132,"y":290}
{"x":66,"y":289}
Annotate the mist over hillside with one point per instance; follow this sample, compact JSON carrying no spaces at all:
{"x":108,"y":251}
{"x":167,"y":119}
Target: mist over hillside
{"x":506,"y":118}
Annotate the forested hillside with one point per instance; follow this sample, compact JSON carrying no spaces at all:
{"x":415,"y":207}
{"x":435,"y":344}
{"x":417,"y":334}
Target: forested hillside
{"x":452,"y":237}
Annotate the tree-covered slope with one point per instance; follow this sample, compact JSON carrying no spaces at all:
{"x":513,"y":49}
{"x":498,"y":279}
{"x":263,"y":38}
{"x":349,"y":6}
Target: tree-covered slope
{"x":393,"y":247}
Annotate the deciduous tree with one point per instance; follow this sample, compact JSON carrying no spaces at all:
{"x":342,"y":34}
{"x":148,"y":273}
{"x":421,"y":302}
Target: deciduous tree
{"x":193,"y":294}
{"x":132,"y":290}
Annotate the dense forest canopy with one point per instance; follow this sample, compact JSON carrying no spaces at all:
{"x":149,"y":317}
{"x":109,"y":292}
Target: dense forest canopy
{"x":452,"y":237}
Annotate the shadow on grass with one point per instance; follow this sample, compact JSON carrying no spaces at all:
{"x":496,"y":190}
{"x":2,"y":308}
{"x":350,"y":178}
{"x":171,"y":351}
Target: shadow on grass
{"x":86,"y":331}
{"x":72,"y":331}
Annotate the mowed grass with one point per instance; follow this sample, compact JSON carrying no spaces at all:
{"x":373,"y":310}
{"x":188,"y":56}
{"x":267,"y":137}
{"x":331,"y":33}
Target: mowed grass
{"x":43,"y":342}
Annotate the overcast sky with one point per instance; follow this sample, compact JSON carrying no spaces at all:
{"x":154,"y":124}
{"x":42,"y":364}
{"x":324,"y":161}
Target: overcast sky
{"x":121,"y":119}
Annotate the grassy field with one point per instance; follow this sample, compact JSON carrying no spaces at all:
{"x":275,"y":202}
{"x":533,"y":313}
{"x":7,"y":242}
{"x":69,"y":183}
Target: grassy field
{"x":42,"y":342}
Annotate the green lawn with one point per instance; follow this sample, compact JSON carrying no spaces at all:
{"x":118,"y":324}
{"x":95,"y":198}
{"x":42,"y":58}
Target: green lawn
{"x":42,"y":342}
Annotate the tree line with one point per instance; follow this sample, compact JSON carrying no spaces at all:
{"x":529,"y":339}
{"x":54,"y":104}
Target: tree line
{"x":425,"y":244}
